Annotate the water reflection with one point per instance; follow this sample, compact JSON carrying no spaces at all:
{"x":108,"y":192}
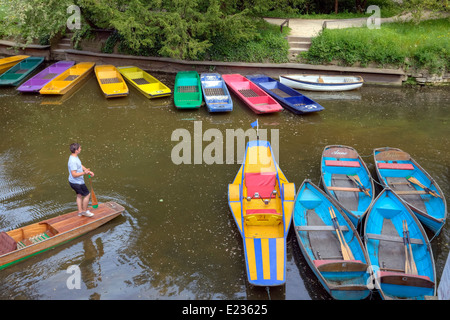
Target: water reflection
{"x":177,"y":239}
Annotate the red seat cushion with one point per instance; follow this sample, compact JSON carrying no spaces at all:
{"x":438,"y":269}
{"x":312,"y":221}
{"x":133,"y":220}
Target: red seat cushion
{"x":262,"y":211}
{"x":335,"y":163}
{"x":263,"y":183}
{"x":400,"y":166}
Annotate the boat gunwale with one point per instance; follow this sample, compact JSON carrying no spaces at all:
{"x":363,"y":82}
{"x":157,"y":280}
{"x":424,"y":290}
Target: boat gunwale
{"x":289,"y":77}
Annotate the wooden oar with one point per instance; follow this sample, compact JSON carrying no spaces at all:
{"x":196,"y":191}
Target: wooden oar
{"x":345,"y":249}
{"x":405,"y":243}
{"x":417,"y":182}
{"x":94,"y":198}
{"x":411,"y":255}
{"x":357,"y":181}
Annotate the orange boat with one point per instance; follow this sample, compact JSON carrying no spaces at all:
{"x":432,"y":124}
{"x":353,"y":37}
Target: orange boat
{"x":68,"y":79}
{"x":7,"y":63}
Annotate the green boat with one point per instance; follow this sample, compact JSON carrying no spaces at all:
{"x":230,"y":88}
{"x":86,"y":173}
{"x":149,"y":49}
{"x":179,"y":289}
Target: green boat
{"x":20,"y":71}
{"x":187,"y":92}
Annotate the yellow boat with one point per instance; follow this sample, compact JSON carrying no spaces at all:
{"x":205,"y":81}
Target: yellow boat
{"x":144,"y":82}
{"x":68,"y":79}
{"x":111,"y":81}
{"x":261,"y":201}
{"x":7,"y":63}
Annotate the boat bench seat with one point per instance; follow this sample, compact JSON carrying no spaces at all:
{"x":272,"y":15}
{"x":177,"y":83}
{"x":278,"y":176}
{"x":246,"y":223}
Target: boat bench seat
{"x":340,"y":265}
{"x":399,"y":166}
{"x":261,"y":183}
{"x":405,"y":279}
{"x":7,"y":243}
{"x":260,"y":217}
{"x":336,"y":163}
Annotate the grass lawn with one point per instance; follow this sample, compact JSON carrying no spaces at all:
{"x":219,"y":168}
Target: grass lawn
{"x":424,"y":45}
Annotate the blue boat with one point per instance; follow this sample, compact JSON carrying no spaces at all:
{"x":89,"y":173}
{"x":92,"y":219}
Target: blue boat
{"x":400,"y":172}
{"x":15,"y":75}
{"x":289,"y":98}
{"x":346,"y":178}
{"x":400,"y":252}
{"x":215,"y":91}
{"x":330,"y":244}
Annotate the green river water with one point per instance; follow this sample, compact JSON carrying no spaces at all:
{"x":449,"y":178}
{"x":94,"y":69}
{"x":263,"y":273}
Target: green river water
{"x":177,"y":238}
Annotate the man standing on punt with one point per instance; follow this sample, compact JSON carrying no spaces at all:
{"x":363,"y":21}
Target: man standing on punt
{"x":76,"y":180}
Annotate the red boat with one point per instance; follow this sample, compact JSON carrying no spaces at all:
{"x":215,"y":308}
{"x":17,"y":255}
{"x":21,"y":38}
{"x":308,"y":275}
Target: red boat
{"x":253,"y":96}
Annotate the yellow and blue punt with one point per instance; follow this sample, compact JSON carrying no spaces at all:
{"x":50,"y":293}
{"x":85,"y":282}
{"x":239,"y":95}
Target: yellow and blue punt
{"x":261,"y":201}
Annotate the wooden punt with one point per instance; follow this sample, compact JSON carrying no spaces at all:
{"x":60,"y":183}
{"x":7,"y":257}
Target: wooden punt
{"x":252,"y":95}
{"x":148,"y":85}
{"x":111,"y":81}
{"x":16,"y":74}
{"x":69,"y":79}
{"x":37,"y":82}
{"x":9,"y":62}
{"x":390,"y":252}
{"x":344,"y":277}
{"x":19,"y":244}
{"x":346,"y":178}
{"x":261,"y":199}
{"x":397,"y":170}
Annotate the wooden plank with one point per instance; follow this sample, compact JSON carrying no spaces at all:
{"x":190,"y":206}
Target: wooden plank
{"x":319,"y":228}
{"x":385,"y":237}
{"x":344,"y":189}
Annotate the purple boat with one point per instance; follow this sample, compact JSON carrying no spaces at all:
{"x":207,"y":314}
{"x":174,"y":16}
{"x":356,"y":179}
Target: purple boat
{"x":45,"y":76}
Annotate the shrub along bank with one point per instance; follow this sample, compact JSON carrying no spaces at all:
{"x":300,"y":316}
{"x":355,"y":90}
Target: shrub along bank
{"x":407,"y":45}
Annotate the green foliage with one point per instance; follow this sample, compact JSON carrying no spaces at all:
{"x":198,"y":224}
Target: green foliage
{"x":426,"y":45}
{"x":26,"y":21}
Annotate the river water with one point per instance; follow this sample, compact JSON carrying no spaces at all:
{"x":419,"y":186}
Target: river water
{"x":177,"y":238}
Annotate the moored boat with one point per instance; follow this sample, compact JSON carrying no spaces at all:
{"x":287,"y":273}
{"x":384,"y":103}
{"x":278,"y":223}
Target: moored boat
{"x":399,"y":250}
{"x":16,"y":74}
{"x":8,"y":62}
{"x":261,"y":200}
{"x":400,"y":172}
{"x":215,"y":93}
{"x":37,"y":82}
{"x":330,"y":244}
{"x":346,"y":178}
{"x":144,"y":82}
{"x":19,"y":244}
{"x":69,"y":79}
{"x":187,"y":91}
{"x":252,"y":95}
{"x":110,"y":81}
{"x":321,"y":82}
{"x":289,"y":98}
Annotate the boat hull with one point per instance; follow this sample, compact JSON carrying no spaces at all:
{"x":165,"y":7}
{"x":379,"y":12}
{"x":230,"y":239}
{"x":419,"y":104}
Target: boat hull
{"x":37,"y":82}
{"x":188,"y":91}
{"x":69,"y":79}
{"x":343,"y":279}
{"x":145,"y":83}
{"x":252,"y":95}
{"x":215,"y":93}
{"x":62,"y":229}
{"x":111,"y":81}
{"x":9,"y":62}
{"x":290,"y":99}
{"x":393,"y":167}
{"x":263,"y":226}
{"x":16,"y":74}
{"x":341,"y":166}
{"x":384,"y":240}
{"x":331,"y":83}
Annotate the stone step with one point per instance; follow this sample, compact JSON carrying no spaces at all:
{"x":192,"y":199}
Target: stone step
{"x":298,"y":39}
{"x":300,"y":45}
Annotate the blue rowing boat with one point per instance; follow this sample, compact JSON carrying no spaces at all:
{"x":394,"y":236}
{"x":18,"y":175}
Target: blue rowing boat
{"x":215,"y":92}
{"x":400,"y":252}
{"x":289,"y":98}
{"x":346,"y":178}
{"x":16,"y":74}
{"x":330,"y":244}
{"x":400,"y":172}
